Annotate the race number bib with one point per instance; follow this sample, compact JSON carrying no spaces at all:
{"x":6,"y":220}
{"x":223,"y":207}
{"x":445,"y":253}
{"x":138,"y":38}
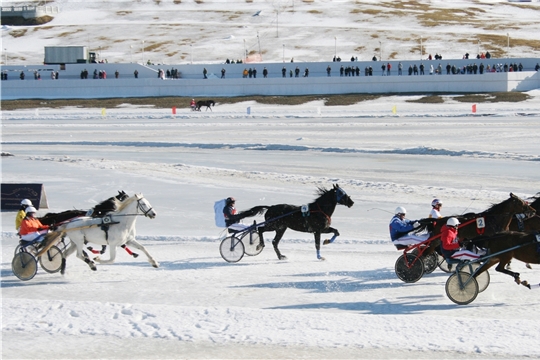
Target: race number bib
{"x":480,"y":223}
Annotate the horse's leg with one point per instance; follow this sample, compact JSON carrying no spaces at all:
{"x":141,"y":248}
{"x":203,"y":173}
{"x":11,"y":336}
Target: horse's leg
{"x":70,"y":250}
{"x":275,"y":242}
{"x":111,"y":259}
{"x":81,"y":254}
{"x":136,"y":245}
{"x":505,"y":259}
{"x":327,"y":231}
{"x":318,"y":245}
{"x":261,"y":230}
{"x":128,"y":250}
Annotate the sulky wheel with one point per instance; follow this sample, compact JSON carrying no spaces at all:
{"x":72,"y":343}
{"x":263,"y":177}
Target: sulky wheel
{"x":231,"y":249}
{"x":409,"y":272}
{"x":444,"y":266}
{"x":251,"y":240}
{"x":431,"y":262}
{"x":24,"y":266}
{"x":461,"y":288}
{"x":482,"y":279}
{"x":51,"y":261}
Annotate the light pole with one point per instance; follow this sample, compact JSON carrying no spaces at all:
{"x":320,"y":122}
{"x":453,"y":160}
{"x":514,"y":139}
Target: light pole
{"x":421,"y":49}
{"x":191,"y":52}
{"x":259,"y":42}
{"x":380,"y":48}
{"x":478,"y":47}
{"x":131,"y":53}
{"x":143,"y":52}
{"x":507,"y":44}
{"x":100,"y":53}
{"x":245,"y":53}
{"x":5,"y":53}
{"x":335,"y":47}
{"x":277,"y":23}
{"x":283,"y":52}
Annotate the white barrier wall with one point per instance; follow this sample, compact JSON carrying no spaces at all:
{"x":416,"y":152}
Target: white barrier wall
{"x":192,"y":84}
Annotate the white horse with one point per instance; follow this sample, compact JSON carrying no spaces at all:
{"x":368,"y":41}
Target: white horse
{"x":117,"y":228}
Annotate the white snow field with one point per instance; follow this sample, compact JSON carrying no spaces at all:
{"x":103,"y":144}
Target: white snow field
{"x":196,"y":305}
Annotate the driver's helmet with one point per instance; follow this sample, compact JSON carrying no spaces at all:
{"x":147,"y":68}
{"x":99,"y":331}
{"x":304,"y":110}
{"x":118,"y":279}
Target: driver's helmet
{"x":436,"y":202}
{"x":230,"y":201}
{"x":453,"y":222}
{"x":30,"y":210}
{"x":26,"y":202}
{"x":400,"y":210}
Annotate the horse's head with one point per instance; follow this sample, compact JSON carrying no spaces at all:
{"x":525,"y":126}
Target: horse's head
{"x":342,"y":197}
{"x":145,"y":207}
{"x":519,"y":206}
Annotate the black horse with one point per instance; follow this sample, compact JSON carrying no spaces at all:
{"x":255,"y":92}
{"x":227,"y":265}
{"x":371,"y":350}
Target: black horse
{"x":111,"y":204}
{"x":314,"y":217}
{"x":207,"y":103}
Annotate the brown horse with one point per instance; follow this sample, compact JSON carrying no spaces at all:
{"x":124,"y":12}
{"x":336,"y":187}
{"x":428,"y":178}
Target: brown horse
{"x":509,"y":245}
{"x":494,"y":220}
{"x":521,"y":222}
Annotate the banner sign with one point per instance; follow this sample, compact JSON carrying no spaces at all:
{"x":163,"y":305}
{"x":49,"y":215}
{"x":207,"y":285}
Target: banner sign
{"x":13,"y":194}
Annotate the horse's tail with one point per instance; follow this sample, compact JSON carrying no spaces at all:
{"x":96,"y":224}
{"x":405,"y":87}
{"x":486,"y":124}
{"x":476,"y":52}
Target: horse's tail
{"x":257,"y":210}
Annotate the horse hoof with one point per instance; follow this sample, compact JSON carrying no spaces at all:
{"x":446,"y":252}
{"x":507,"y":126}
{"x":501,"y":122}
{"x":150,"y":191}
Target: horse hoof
{"x":326,"y":242}
{"x":528,"y":266}
{"x":135,"y":255}
{"x":282,"y":257}
{"x":260,"y":247}
{"x":321,"y":258}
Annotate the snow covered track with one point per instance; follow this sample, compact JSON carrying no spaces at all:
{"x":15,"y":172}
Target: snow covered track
{"x":198,"y":306}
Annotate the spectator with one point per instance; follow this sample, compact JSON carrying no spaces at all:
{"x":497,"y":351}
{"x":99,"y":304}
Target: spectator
{"x":245,"y":73}
{"x":448,"y":68}
{"x":250,"y":73}
{"x":254,"y":73}
{"x":328,"y":70}
{"x":400,"y":69}
{"x":383,"y":67}
{"x":439,"y":69}
{"x":388,"y":68}
{"x":422,"y":69}
{"x":223,"y":72}
{"x":342,"y":70}
{"x":536,"y":68}
{"x":284,"y":72}
{"x":290,"y":73}
{"x":22,"y":75}
{"x":296,"y":72}
{"x":306,"y":72}
{"x":488,"y":55}
{"x":205,"y":72}
{"x":135,"y":73}
{"x":116,"y":74}
{"x":265,"y":72}
{"x":374,"y":58}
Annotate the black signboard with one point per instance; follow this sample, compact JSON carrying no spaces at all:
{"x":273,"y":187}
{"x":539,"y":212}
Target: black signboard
{"x":13,"y":194}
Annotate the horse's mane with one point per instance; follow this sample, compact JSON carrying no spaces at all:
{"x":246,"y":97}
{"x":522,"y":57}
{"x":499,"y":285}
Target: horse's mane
{"x":535,"y":201}
{"x":321,"y":191}
{"x":496,"y":207}
{"x":125,"y":203}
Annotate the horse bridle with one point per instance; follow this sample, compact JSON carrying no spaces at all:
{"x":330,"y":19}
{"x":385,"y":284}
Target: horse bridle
{"x":139,"y":206}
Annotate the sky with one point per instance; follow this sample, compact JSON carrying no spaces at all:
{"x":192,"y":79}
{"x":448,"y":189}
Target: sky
{"x":196,"y":305}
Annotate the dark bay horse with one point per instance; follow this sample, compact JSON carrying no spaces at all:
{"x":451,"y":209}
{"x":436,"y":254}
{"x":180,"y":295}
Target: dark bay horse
{"x":521,"y":222}
{"x":312,"y":218}
{"x":495,"y":219}
{"x":523,"y":246}
{"x":207,"y":103}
